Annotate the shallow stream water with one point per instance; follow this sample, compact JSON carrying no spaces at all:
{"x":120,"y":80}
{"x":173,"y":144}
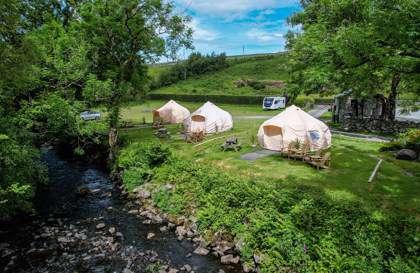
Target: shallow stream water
{"x":65,"y":238}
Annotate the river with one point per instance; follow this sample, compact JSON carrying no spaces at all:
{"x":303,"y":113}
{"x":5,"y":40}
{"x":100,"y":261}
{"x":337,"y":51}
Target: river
{"x":93,"y":231}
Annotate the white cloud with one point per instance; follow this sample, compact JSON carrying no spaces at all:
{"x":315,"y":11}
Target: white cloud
{"x":202,"y":34}
{"x":264,"y":36}
{"x":263,"y":14}
{"x":266,"y":24}
{"x":233,"y":9}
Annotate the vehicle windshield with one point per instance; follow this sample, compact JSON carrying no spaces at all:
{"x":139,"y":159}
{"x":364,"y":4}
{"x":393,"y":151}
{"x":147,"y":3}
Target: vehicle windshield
{"x":268,"y":102}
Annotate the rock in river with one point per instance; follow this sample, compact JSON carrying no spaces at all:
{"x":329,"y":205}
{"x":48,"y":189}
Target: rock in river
{"x":144,"y":194}
{"x":229,"y":259}
{"x":100,"y":226}
{"x":201,"y":251}
{"x":181,"y":231}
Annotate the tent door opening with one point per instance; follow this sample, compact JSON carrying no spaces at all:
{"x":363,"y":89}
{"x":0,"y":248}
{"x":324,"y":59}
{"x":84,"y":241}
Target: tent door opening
{"x":198,"y":123}
{"x":274,"y":135}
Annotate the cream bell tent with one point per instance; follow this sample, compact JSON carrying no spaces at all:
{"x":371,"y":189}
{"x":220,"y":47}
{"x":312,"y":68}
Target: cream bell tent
{"x":291,"y":125}
{"x":209,"y":119}
{"x":171,"y":112}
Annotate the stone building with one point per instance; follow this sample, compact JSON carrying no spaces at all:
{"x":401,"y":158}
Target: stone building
{"x":366,"y":114}
{"x":347,"y":106}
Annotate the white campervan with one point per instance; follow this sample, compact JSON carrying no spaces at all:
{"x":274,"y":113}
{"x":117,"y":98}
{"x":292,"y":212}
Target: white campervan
{"x":273,"y":103}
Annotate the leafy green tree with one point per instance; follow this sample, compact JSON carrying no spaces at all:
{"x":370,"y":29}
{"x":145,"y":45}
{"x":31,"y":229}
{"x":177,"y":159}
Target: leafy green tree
{"x":62,"y":59}
{"x":123,"y":35}
{"x":20,"y":172}
{"x":371,"y":47}
{"x":195,"y":65}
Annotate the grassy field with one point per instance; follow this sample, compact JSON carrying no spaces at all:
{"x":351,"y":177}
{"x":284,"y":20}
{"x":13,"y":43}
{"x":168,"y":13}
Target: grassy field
{"x":397,"y":186}
{"x":223,"y":82}
{"x":279,"y":208}
{"x":135,"y":113}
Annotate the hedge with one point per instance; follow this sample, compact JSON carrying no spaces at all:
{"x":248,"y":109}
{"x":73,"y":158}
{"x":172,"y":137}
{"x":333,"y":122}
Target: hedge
{"x":230,"y":99}
{"x":214,"y":98}
{"x":324,"y":101}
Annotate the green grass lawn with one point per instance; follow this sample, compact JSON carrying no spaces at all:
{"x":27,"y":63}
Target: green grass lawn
{"x":327,"y":115}
{"x":223,"y":82}
{"x":135,"y":113}
{"x":396,"y":188}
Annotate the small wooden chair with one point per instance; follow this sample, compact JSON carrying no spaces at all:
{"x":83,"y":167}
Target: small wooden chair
{"x":302,"y":153}
{"x":314,"y":156}
{"x":195,"y":137}
{"x":322,"y":163}
{"x":292,"y":149}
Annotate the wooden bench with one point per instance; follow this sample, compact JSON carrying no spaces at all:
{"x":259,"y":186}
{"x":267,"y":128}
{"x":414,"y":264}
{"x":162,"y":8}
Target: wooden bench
{"x":162,"y":133}
{"x":231,"y":143}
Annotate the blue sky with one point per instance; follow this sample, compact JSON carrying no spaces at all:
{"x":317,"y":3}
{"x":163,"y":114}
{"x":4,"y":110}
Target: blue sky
{"x":228,"y":25}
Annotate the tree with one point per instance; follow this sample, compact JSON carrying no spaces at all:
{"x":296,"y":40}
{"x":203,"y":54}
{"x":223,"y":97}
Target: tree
{"x":123,"y":35}
{"x":371,"y":47}
{"x":40,"y":62}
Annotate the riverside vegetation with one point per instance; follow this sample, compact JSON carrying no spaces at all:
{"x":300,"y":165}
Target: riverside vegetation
{"x":59,"y":58}
{"x":277,"y":227}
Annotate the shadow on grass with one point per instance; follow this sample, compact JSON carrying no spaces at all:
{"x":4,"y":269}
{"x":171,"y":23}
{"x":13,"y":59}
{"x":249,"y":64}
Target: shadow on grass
{"x":351,"y":167}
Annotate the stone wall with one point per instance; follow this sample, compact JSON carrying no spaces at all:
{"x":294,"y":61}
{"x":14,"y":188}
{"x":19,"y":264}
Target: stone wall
{"x":384,"y":126}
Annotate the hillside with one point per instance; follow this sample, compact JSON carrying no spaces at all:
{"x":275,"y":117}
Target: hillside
{"x":271,"y":67}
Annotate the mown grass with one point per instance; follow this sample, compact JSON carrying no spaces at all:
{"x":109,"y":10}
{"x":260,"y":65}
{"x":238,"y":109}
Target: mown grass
{"x":136,"y":112}
{"x":292,"y":216}
{"x":396,"y":187}
{"x":223,"y":82}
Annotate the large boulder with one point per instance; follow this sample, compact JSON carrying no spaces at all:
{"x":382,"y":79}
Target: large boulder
{"x":406,"y":154}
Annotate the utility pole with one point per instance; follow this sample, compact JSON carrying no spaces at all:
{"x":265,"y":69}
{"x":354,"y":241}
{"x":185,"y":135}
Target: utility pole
{"x":243,"y":50}
{"x":185,"y":66}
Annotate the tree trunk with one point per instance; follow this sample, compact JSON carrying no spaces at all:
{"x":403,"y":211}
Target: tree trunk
{"x":392,"y":99}
{"x":113,"y":134}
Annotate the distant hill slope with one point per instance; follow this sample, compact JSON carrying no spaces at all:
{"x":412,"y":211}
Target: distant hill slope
{"x":269,"y":67}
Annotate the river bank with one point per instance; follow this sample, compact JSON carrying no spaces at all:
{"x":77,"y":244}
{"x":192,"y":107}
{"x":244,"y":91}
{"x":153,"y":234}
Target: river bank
{"x":85,"y":225}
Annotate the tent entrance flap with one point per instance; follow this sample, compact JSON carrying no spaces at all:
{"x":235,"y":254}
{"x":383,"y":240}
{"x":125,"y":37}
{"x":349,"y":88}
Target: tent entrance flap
{"x":198,"y":118}
{"x":272,"y":130}
{"x":156,"y":114}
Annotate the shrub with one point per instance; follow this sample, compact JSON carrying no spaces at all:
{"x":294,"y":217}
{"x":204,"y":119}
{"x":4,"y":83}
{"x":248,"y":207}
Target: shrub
{"x":304,"y":101}
{"x":137,"y":160}
{"x":291,"y":228}
{"x":195,"y":65}
{"x":17,"y":188}
{"x":54,"y":119}
{"x":257,"y":85}
{"x":407,"y":140}
{"x":135,"y":176}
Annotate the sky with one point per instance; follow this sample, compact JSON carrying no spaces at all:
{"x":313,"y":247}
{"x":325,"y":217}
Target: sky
{"x":237,"y":26}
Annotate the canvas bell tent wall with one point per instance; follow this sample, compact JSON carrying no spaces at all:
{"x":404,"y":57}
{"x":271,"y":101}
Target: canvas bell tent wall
{"x":209,"y":119}
{"x":293,"y":124}
{"x":171,"y":112}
